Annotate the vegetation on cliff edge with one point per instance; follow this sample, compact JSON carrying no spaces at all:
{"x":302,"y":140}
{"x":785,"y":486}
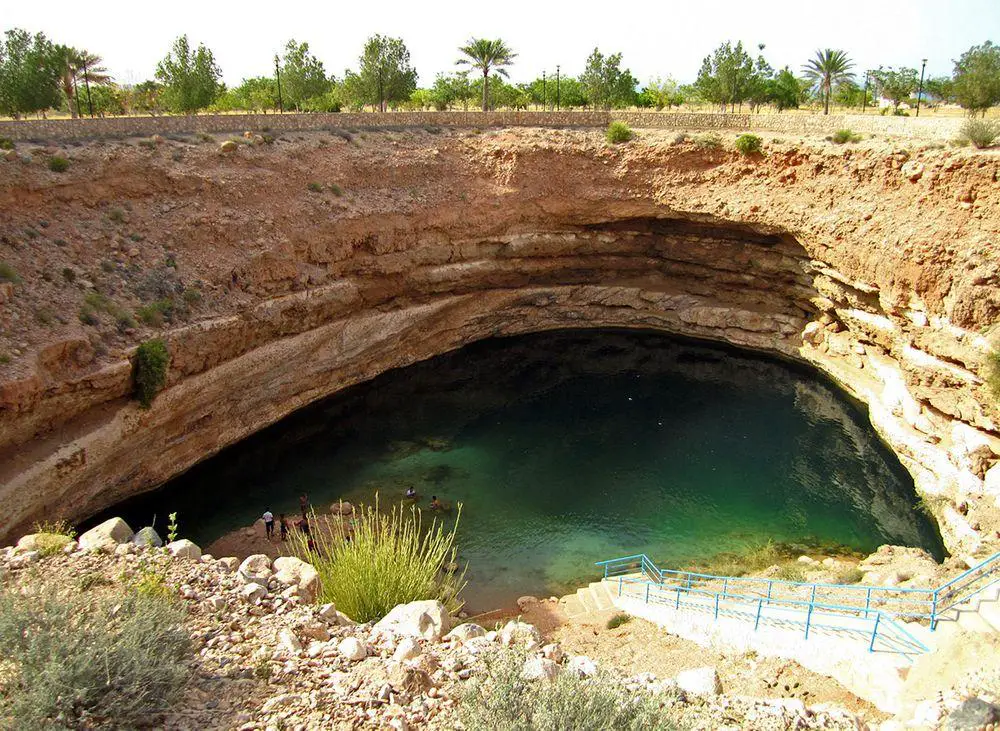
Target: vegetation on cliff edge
{"x":149,"y":370}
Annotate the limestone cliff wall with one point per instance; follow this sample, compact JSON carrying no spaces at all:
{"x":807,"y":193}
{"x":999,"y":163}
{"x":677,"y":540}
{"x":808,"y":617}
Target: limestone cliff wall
{"x":883,"y":276}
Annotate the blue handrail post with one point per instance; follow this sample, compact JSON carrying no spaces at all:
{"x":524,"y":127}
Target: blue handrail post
{"x":716,"y":606}
{"x":871,"y":645}
{"x":809,"y":615}
{"x":769,"y":585}
{"x":678,"y":604}
{"x":725,"y":586}
{"x":760,"y":603}
{"x":647,"y":592}
{"x":868,"y":601}
{"x":605,"y":571}
{"x":619,"y":586}
{"x":934,"y":602}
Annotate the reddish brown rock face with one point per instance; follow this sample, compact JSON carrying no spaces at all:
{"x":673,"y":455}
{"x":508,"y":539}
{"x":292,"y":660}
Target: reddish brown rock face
{"x":411,"y":244}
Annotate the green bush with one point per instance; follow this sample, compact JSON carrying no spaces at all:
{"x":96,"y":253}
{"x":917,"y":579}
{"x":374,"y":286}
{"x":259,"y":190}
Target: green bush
{"x":499,"y":698}
{"x":6,"y":143}
{"x":336,"y":190}
{"x":993,"y":373}
{"x":94,"y":660}
{"x":618,"y":620}
{"x":156,"y":313}
{"x":980,"y":132}
{"x":749,"y":144}
{"x":8,"y":274}
{"x":850,"y":575}
{"x":149,"y":371}
{"x":842,"y":136}
{"x":708,"y":141}
{"x":58,"y":164}
{"x":382,"y":560}
{"x":619,"y":132}
{"x":315,"y":187}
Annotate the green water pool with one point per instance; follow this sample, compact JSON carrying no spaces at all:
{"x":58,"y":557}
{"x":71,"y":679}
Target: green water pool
{"x":569,"y":447}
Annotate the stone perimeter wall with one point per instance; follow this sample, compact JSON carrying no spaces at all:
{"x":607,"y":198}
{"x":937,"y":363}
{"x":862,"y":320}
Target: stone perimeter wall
{"x":70,"y":129}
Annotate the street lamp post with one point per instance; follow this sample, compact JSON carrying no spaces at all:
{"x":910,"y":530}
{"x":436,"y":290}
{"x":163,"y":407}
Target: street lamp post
{"x":920,"y":90}
{"x":544,"y":98}
{"x":557,"y":87}
{"x":277,"y":75}
{"x":864,"y":98}
{"x":86,"y":82}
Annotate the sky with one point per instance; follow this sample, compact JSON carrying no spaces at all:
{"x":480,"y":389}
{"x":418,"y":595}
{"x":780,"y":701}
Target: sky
{"x":663,"y":38}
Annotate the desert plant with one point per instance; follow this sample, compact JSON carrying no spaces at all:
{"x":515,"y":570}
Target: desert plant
{"x":315,"y":187}
{"x":619,"y":132}
{"x":980,"y":132}
{"x":790,"y":572}
{"x":498,"y":697}
{"x":149,"y":370}
{"x":51,"y":537}
{"x":380,"y":560}
{"x":156,"y":313}
{"x":6,"y":143}
{"x":58,"y":164}
{"x":993,"y":373}
{"x":8,"y":273}
{"x":749,"y":144}
{"x":618,"y":620}
{"x":172,"y":527}
{"x":842,"y":136}
{"x":708,"y":141}
{"x":116,"y":215}
{"x":849,"y":575}
{"x":336,"y":190}
{"x":104,"y":659}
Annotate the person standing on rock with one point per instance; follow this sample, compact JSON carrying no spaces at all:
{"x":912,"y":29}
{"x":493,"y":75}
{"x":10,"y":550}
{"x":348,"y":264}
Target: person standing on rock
{"x":304,"y":506}
{"x":269,"y":524}
{"x":283,"y":525}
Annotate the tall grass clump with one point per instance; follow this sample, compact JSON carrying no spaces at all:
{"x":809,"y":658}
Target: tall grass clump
{"x":149,"y":371}
{"x":96,"y":660}
{"x":980,"y":132}
{"x":619,"y":132}
{"x":58,"y":164}
{"x":380,"y":559}
{"x":749,"y":144}
{"x":499,"y":698}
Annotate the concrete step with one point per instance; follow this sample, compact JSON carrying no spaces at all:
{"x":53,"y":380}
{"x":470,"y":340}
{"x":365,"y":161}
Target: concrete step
{"x":586,"y":599}
{"x":971,"y":621}
{"x":990,"y":613}
{"x":601,"y":596}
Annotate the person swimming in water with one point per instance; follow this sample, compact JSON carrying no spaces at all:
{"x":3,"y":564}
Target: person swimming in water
{"x":411,"y":492}
{"x":435,"y":503}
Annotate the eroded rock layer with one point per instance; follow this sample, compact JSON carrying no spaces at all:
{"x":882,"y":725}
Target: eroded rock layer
{"x":878,"y":266}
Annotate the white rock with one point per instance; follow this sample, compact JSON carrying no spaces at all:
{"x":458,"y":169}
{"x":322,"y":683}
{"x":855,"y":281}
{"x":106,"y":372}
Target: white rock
{"x":184,"y":549}
{"x":991,"y":482}
{"x":806,"y":560}
{"x":293,"y":571}
{"x":147,"y":537}
{"x":426,"y":619}
{"x":407,"y":649}
{"x":256,"y":569}
{"x":526,"y":601}
{"x":106,"y":535}
{"x":539,"y":668}
{"x":328,"y":613}
{"x":466,"y":632}
{"x":125,"y":549}
{"x":520,"y":633}
{"x":252,"y":592}
{"x":216,"y":603}
{"x":700,"y":681}
{"x":288,"y":640}
{"x":352,"y":649}
{"x":582,"y":666}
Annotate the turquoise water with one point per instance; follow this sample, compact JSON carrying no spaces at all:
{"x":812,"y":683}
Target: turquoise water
{"x":569,"y":447}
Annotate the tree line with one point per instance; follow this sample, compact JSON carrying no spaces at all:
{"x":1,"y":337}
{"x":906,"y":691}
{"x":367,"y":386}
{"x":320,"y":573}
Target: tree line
{"x":37,"y":75}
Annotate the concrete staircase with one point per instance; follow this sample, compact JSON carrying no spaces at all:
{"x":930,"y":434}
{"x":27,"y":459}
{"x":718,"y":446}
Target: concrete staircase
{"x":591,"y":599}
{"x":980,"y":615}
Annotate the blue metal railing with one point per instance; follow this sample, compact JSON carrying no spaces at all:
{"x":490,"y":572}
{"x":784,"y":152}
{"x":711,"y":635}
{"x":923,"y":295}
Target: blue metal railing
{"x":747,"y":596}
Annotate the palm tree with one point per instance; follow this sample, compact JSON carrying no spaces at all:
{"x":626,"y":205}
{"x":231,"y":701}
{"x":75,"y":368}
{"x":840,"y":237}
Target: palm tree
{"x":828,"y":69}
{"x":79,"y":64}
{"x":487,"y":55}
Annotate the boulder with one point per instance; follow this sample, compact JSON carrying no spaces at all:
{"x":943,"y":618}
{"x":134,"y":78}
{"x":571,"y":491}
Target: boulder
{"x":410,"y":680}
{"x":539,"y":668}
{"x":352,"y":649}
{"x":47,"y":543}
{"x":125,"y":549}
{"x":292,"y":571}
{"x":184,"y":549}
{"x":342,"y":508}
{"x":252,"y":592}
{"x":427,"y":619}
{"x":972,"y":714}
{"x":912,"y":170}
{"x":700,"y":681}
{"x":526,"y":601}
{"x":229,"y":146}
{"x":407,"y":649}
{"x":256,"y":569}
{"x":228,"y":564}
{"x":106,"y":535}
{"x":289,"y":642}
{"x":10,"y":156}
{"x":314,"y":631}
{"x":520,"y":633}
{"x":147,"y":537}
{"x":466,"y":632}
{"x":582,"y":666}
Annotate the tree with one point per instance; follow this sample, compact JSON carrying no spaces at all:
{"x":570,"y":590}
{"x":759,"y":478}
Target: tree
{"x":606,"y":84}
{"x":896,"y":86}
{"x":30,"y":70}
{"x":79,"y":69}
{"x":940,"y":88}
{"x":828,"y":69}
{"x":660,"y":93}
{"x":190,"y":78}
{"x":144,"y":97}
{"x":784,"y":90}
{"x":726,"y":76}
{"x":451,"y":89}
{"x":977,"y":78}
{"x":255,"y":94}
{"x":385,"y":74}
{"x":487,"y":55}
{"x":302,"y":75}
